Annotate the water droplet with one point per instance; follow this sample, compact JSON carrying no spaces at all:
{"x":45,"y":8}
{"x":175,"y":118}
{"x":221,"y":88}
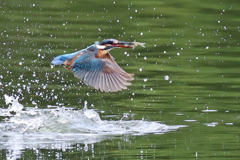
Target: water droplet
{"x":34,"y":103}
{"x":166,"y":77}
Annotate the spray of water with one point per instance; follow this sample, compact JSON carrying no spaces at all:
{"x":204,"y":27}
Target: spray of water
{"x":59,"y":127}
{"x":67,"y":120}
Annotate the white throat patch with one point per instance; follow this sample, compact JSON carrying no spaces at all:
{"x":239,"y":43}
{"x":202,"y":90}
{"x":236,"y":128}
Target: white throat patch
{"x":100,"y":46}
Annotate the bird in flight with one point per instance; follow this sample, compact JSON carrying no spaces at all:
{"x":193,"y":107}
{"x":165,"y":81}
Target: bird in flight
{"x":96,"y":67}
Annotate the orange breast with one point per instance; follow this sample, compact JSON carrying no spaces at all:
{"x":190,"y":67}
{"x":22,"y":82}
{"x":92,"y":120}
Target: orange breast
{"x":100,"y":54}
{"x":103,"y":54}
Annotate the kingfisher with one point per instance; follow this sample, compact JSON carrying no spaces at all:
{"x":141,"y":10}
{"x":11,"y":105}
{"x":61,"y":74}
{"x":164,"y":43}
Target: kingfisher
{"x":96,"y":66}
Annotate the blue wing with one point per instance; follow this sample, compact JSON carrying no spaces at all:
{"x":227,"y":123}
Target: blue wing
{"x":62,"y":58}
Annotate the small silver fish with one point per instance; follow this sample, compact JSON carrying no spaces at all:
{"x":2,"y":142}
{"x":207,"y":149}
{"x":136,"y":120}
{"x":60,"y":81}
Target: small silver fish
{"x":139,"y":44}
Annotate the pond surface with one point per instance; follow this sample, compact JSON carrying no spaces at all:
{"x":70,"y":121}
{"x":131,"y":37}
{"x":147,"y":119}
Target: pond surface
{"x":183,"y":103}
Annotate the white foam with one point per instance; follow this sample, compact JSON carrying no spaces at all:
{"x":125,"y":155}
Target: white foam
{"x":67,"y":120}
{"x":44,"y":128}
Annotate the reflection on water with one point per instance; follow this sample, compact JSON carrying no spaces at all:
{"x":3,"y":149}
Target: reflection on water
{"x":60,"y":127}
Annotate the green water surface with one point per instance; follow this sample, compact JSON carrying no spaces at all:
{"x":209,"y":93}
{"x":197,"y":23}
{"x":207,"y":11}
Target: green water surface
{"x":193,"y":42}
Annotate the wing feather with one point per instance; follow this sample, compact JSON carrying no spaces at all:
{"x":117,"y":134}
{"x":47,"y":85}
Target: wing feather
{"x":88,"y":78}
{"x":101,"y":73}
{"x":113,"y":87}
{"x":116,"y":83}
{"x":105,"y":83}
{"x":119,"y":82}
{"x":80,"y":74}
{"x":93,"y":79}
{"x":100,"y":84}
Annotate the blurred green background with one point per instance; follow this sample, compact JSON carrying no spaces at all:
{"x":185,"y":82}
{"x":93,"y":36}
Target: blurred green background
{"x":188,"y":73}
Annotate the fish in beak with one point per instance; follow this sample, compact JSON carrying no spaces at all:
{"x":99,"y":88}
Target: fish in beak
{"x":122,"y":44}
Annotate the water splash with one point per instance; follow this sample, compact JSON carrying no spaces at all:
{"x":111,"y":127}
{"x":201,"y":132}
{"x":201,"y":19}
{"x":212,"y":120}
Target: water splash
{"x":60,"y":127}
{"x":14,"y":106}
{"x":66,"y":120}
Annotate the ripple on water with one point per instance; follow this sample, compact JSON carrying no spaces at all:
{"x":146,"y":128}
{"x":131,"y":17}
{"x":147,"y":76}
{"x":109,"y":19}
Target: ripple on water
{"x":212,"y":124}
{"x":209,"y":110}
